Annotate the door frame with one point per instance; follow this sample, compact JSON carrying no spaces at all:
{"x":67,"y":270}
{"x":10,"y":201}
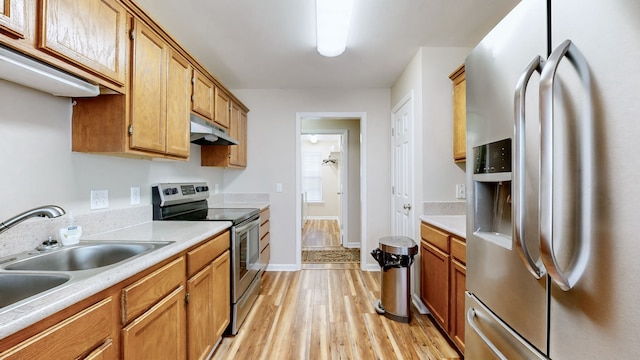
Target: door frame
{"x":406,"y":100}
{"x":343,"y":165}
{"x":362,"y":116}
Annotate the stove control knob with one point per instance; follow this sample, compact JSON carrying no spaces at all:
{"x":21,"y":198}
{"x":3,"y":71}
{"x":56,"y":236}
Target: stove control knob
{"x":170,"y":191}
{"x":202,"y":188}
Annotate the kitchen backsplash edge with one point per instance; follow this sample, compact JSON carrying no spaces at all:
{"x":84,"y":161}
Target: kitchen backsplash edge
{"x":444,"y":208}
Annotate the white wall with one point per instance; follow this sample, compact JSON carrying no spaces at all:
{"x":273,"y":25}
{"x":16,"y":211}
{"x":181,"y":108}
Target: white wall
{"x":435,"y":173}
{"x":272,"y":158}
{"x":440,"y":173}
{"x":329,"y":207}
{"x":38,"y":166}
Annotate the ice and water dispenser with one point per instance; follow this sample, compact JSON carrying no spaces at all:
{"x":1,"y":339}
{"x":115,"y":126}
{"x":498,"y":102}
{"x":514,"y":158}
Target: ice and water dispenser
{"x":492,"y":192}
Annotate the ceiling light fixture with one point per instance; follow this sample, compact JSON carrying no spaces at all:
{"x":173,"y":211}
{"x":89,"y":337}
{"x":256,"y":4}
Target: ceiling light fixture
{"x":332,"y":23}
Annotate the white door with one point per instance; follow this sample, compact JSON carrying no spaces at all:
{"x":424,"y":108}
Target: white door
{"x":402,"y":176}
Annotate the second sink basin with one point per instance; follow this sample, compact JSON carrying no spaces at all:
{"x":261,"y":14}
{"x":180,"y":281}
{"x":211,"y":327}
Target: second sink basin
{"x":17,"y":287}
{"x":84,"y":256}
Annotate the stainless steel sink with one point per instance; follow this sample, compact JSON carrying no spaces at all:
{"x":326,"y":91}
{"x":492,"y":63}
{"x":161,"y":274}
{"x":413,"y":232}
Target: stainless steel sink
{"x":15,"y":287}
{"x":84,"y":256}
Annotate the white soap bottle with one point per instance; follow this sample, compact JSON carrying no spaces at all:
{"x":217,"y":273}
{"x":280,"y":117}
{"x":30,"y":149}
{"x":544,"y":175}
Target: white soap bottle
{"x":71,"y":234}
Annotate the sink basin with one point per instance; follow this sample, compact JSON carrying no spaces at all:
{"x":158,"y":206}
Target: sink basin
{"x":17,"y":287}
{"x":84,"y":256}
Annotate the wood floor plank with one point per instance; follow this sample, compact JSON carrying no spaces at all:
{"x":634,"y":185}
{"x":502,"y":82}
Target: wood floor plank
{"x":329,"y":314}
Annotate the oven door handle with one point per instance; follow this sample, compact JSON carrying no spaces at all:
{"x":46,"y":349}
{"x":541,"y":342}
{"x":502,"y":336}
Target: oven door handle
{"x":244,"y":228}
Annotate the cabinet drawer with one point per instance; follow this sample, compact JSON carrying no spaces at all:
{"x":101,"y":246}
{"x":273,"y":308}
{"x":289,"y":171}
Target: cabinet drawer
{"x":265,"y":255}
{"x":264,"y":228}
{"x":459,"y":250}
{"x":144,"y":293}
{"x":435,"y":237}
{"x":204,"y":254}
{"x":264,"y":215}
{"x":264,"y":241}
{"x":71,"y":338}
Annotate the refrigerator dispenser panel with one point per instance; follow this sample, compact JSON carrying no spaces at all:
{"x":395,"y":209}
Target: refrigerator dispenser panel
{"x":492,"y":192}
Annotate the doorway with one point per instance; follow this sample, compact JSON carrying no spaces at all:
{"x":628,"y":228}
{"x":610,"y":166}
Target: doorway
{"x":329,"y":183}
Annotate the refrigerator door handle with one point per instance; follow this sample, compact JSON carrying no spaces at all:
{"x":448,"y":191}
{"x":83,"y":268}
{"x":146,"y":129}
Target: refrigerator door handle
{"x":535,"y":267}
{"x":565,"y":279}
{"x":471,"y":314}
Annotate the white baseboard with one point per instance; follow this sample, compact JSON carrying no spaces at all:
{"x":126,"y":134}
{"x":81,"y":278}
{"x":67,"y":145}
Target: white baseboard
{"x":419,"y":305}
{"x":371,"y":267}
{"x":352,"y":245}
{"x":282,"y":267}
{"x":323,"y":218}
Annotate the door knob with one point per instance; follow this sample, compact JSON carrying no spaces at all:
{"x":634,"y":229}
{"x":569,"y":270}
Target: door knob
{"x":407,"y":206}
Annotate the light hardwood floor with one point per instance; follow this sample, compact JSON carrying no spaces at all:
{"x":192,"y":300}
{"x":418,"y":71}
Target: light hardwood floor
{"x":321,"y":234}
{"x":329,"y":314}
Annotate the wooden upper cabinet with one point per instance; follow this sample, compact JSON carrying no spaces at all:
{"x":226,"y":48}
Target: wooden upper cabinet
{"x":148,"y":90}
{"x":238,"y":131}
{"x":89,"y":33}
{"x":459,"y":114}
{"x":203,"y":96}
{"x":13,"y":18}
{"x":222,"y":107}
{"x":178,"y":105}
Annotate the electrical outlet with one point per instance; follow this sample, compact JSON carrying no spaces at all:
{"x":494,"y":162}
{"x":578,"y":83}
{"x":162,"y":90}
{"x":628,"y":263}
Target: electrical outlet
{"x":216,"y":188}
{"x":279,"y":187}
{"x":99,"y":199}
{"x":135,"y":195}
{"x":460,"y":191}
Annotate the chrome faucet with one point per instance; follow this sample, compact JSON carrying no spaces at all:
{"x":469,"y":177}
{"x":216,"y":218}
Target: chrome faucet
{"x":50,"y":211}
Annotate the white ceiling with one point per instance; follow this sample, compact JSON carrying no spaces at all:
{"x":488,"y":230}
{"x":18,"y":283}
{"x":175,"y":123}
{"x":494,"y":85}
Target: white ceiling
{"x":253,"y":44}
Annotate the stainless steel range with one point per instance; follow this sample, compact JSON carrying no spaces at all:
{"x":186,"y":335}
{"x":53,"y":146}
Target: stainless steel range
{"x":188,"y":202}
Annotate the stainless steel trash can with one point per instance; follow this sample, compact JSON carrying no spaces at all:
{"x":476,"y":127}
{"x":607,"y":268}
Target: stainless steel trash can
{"x":395,"y":256}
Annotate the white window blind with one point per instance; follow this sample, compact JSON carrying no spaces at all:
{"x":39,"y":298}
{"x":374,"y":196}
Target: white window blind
{"x":312,"y":176}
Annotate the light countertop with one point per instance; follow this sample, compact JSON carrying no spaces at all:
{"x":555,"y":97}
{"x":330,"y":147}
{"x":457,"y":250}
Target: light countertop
{"x":241,"y":205}
{"x":455,"y":224}
{"x":183,"y":234}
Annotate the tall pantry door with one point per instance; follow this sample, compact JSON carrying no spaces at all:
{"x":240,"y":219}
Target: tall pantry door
{"x":599,"y":318}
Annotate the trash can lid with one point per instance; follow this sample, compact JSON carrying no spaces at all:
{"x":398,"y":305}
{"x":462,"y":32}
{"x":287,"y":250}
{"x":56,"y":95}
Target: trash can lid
{"x":400,"y":245}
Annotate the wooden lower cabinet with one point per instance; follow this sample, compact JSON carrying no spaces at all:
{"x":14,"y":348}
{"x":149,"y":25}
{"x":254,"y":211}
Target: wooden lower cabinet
{"x":159,"y":333}
{"x":265,"y":237}
{"x":75,"y":337}
{"x":209,"y":308}
{"x":442,"y":280}
{"x":209,"y":295}
{"x":156,"y":314}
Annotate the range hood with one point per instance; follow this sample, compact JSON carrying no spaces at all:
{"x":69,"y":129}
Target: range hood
{"x":23,"y":70}
{"x":205,"y":133}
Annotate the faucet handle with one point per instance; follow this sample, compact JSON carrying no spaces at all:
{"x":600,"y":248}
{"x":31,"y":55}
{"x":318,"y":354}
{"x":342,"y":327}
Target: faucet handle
{"x":49,"y":244}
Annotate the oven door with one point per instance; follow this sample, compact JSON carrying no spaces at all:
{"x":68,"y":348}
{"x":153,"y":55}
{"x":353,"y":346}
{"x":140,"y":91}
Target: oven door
{"x":246,"y":256}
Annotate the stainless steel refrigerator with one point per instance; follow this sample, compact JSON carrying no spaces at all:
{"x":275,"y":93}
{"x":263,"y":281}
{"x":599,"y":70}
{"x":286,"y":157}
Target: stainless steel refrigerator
{"x":553,"y":206}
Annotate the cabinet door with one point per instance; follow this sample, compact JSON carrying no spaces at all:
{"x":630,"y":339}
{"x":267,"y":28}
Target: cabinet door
{"x":148,"y":91}
{"x":435,"y":280}
{"x":203,"y":95}
{"x":89,"y":33}
{"x":221,"y":297}
{"x":222,"y":108}
{"x":237,"y":130}
{"x":104,"y":352}
{"x":13,"y":17}
{"x":459,"y":115}
{"x":200,"y":317}
{"x":71,"y":338}
{"x":178,"y":105}
{"x":159,"y":333}
{"x":458,"y":278}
